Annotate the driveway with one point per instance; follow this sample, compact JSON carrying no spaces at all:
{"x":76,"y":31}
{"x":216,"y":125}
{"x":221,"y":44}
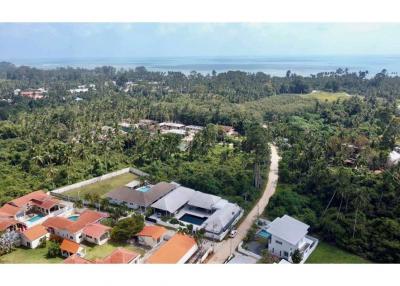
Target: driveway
{"x":223,"y":249}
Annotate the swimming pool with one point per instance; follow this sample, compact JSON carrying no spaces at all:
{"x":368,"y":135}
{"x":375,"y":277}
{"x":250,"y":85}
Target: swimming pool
{"x":193,"y":219}
{"x":264,"y":234}
{"x":34,"y":218}
{"x":73,"y":217}
{"x":143,"y":189}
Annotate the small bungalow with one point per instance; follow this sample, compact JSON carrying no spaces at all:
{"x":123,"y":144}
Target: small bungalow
{"x":69,"y":247}
{"x":178,"y":250}
{"x":151,"y":235}
{"x":34,"y":236}
{"x":96,"y":233}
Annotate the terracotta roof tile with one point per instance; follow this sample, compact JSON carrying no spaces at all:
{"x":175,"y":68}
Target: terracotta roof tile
{"x":96,"y":230}
{"x":76,"y":259}
{"x":153,"y":231}
{"x":6,"y":223}
{"x":119,"y":256}
{"x":57,"y":222}
{"x":173,"y":250}
{"x":70,"y":246}
{"x":21,"y":201}
{"x":87,"y":217}
{"x":8,"y":210}
{"x":35,"y":232}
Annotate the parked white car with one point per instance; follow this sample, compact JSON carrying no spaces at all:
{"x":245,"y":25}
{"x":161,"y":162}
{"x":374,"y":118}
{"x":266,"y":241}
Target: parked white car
{"x":233,"y":233}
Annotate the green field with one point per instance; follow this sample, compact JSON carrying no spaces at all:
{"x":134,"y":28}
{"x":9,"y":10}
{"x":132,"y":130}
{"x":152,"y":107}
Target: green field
{"x":326,"y":253}
{"x":327,"y":96}
{"x":101,"y":251}
{"x":24,"y":255}
{"x":103,"y":187}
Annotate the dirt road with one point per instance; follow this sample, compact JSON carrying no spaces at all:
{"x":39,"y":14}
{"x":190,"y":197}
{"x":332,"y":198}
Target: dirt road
{"x":223,"y":249}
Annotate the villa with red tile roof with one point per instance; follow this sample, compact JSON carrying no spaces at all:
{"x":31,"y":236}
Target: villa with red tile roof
{"x":86,"y":227}
{"x":32,"y":209}
{"x":151,"y":235}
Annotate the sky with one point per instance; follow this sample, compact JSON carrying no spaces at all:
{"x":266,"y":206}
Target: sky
{"x":76,"y":40}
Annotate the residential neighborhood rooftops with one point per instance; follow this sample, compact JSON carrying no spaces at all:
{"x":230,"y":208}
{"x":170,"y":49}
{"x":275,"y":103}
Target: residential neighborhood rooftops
{"x":176,"y":250}
{"x":153,"y":231}
{"x":35,"y":232}
{"x":86,"y":218}
{"x":70,"y":246}
{"x":203,"y":200}
{"x":288,"y":229}
{"x":140,"y":198}
{"x":174,"y":200}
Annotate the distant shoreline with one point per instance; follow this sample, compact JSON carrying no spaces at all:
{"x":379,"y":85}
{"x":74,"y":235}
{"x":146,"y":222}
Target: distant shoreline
{"x":273,"y":65}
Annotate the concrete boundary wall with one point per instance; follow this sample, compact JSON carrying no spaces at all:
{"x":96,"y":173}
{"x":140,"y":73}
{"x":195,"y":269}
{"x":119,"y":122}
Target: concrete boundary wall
{"x":99,"y":179}
{"x":246,"y":252}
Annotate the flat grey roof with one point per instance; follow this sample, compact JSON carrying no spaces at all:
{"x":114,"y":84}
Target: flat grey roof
{"x":288,"y":229}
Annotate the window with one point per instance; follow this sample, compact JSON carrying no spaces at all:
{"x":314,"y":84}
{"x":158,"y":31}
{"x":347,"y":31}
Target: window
{"x":278,"y":242}
{"x":286,"y":254}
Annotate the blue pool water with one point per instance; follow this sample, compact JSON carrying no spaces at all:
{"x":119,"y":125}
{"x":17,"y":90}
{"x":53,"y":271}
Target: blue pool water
{"x":192,"y":219}
{"x":264,"y":234}
{"x":143,"y":189}
{"x":73,"y":217}
{"x":35,"y":218}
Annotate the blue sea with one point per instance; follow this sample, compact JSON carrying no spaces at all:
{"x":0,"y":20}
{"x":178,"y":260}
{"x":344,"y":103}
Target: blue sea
{"x":273,"y":65}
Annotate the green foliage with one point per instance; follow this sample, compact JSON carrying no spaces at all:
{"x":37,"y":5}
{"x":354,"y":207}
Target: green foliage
{"x":126,"y":228}
{"x":53,"y":249}
{"x":297,"y":256}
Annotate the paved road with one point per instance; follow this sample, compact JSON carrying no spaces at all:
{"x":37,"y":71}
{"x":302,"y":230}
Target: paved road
{"x":225,"y":248}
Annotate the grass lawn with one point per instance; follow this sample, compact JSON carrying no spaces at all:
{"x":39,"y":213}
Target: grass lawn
{"x":326,"y":253}
{"x":103,"y":187}
{"x":25,"y":255}
{"x":101,"y":251}
{"x":327,"y":96}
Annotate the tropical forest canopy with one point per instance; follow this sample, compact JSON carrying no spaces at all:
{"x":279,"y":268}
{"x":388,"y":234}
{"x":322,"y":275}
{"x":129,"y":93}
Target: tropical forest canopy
{"x":333,"y":174}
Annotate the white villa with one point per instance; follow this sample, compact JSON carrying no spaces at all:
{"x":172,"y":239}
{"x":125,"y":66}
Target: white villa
{"x":285,"y":235}
{"x":204,"y":211}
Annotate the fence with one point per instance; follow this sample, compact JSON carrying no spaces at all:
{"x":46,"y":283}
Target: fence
{"x":246,"y":252}
{"x":98,"y":179}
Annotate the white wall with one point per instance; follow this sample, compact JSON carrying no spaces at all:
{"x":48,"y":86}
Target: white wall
{"x":35,"y":243}
{"x":189,"y":254}
{"x":278,"y":249}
